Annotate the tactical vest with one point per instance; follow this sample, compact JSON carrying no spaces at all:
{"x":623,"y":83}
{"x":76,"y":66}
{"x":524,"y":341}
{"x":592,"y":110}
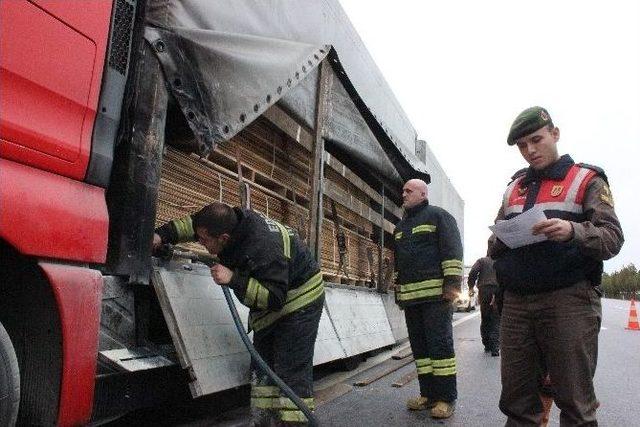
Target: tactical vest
{"x":547,"y":265}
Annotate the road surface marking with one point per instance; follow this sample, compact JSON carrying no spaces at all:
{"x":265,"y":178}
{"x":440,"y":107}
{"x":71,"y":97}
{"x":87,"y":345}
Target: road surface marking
{"x":464,"y":319}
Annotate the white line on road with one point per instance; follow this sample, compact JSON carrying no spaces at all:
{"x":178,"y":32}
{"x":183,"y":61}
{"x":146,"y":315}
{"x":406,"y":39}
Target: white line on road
{"x":464,"y":319}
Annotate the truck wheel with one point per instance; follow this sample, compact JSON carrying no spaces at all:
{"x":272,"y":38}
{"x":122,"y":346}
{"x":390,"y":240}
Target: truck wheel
{"x":9,"y":381}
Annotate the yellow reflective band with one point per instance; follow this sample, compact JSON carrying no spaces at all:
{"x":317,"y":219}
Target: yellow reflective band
{"x":423,"y":362}
{"x":424,"y":228}
{"x":442,"y":372}
{"x":304,"y":295}
{"x":419,"y":294}
{"x":265,"y":391}
{"x":262,"y":301}
{"x":184,"y":228}
{"x":451,"y":263}
{"x":286,"y":241}
{"x":264,"y":402}
{"x":292,"y":416}
{"x":423,"y":366}
{"x":444,"y":363}
{"x":286,"y":403}
{"x":257,"y":295}
{"x":423,"y":370}
{"x":452,"y":271}
{"x":251,"y":294}
{"x":398,"y":235}
{"x":416,"y":286}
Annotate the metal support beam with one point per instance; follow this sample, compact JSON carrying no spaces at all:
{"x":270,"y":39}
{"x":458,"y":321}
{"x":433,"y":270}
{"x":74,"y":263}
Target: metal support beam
{"x":382,"y":286}
{"x":133,"y":192}
{"x":325,"y":82}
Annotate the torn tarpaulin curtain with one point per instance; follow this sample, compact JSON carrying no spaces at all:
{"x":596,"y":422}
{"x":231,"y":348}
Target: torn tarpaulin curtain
{"x":226,"y":62}
{"x":225,"y":81}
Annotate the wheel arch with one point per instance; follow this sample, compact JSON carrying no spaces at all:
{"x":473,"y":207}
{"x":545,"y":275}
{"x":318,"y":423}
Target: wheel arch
{"x":28,"y":311}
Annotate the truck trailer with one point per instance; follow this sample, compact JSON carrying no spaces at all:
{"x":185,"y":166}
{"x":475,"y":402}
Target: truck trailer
{"x":117,"y":116}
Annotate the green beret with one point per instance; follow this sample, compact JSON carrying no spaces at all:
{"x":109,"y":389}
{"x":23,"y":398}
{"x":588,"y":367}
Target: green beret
{"x":529,"y":121}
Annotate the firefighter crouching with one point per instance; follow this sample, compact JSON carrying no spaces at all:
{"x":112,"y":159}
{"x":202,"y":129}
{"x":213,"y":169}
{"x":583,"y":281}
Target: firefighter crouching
{"x":274,"y":274}
{"x":428,"y":256}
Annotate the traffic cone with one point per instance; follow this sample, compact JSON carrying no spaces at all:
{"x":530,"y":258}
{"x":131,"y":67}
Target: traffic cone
{"x":633,"y":317}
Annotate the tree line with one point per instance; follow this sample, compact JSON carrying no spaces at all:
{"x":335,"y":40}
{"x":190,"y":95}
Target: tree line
{"x":622,"y":284}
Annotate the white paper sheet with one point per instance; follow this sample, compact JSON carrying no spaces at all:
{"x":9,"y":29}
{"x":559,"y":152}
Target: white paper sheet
{"x":516,"y":232}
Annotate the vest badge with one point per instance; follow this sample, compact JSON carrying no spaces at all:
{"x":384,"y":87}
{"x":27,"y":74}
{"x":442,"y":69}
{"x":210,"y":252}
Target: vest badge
{"x":556,"y":190}
{"x":522,"y":191}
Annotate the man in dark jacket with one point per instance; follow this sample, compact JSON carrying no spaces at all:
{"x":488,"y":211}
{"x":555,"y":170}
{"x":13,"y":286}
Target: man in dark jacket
{"x":274,"y":274}
{"x":551,"y":313}
{"x":428,"y":261}
{"x":483,"y":276}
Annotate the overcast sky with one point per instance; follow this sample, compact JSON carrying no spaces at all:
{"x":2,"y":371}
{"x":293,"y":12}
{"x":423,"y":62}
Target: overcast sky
{"x":462,"y":71}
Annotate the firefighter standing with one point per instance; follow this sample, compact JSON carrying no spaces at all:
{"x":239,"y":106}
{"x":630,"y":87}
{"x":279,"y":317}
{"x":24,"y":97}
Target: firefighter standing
{"x":551,"y":313}
{"x":428,"y":260}
{"x":276,"y":276}
{"x":483,"y":276}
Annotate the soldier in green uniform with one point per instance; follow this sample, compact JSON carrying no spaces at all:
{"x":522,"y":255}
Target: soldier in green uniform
{"x":551,"y":311}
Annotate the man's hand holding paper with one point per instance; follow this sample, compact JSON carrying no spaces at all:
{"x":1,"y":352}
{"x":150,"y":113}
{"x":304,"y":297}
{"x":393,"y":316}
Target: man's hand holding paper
{"x":556,"y":229}
{"x":530,"y":227}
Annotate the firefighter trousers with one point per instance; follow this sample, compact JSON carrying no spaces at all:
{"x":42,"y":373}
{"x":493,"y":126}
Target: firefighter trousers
{"x":287,"y":347}
{"x":431,"y":339}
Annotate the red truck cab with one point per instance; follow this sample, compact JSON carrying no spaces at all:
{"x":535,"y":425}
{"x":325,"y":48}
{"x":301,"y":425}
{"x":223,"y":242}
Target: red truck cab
{"x":63,"y":67}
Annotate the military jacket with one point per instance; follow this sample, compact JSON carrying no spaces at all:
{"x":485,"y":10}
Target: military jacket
{"x":578,"y":193}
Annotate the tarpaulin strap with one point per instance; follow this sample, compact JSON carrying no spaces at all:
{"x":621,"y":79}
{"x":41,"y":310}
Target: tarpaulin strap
{"x":297,"y":298}
{"x":341,"y":239}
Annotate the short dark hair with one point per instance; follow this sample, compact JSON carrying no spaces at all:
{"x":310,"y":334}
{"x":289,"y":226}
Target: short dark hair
{"x":217,"y":218}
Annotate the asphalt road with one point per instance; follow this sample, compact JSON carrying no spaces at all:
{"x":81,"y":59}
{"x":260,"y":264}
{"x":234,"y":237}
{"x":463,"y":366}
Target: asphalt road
{"x":617,"y":383}
{"x":379,"y":403}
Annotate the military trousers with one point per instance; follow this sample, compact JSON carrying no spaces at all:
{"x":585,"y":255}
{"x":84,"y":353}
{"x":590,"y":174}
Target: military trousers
{"x":431,"y":339}
{"x":489,"y":318}
{"x":554,"y":332}
{"x":287,"y":347}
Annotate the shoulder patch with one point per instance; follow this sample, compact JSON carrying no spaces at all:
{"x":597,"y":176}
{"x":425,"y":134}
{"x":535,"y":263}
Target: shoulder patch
{"x":599,"y":171}
{"x":518,"y":174}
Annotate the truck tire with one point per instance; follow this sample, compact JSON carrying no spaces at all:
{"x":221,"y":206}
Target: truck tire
{"x":9,"y":381}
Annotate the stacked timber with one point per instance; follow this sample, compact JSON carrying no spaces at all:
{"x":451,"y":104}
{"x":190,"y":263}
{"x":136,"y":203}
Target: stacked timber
{"x":279,"y":171}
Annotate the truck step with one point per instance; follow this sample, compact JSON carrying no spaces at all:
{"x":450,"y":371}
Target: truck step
{"x":136,"y":359}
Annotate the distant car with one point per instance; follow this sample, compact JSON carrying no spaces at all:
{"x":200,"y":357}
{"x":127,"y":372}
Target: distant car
{"x":464,"y":302}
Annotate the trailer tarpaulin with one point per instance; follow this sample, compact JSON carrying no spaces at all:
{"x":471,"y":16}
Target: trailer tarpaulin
{"x":226,"y":62}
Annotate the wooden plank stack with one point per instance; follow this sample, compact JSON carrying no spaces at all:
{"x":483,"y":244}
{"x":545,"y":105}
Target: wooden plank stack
{"x":278,"y":171}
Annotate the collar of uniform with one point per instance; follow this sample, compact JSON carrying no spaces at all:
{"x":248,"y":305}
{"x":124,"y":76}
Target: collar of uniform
{"x":416,"y":208}
{"x":237,"y":235}
{"x":556,"y":171}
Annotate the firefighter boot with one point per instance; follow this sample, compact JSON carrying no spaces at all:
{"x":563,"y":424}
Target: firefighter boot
{"x":442,"y":409}
{"x":419,"y":403}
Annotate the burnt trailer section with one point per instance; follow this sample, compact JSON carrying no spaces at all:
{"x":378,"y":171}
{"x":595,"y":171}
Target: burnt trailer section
{"x":276,"y":106}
